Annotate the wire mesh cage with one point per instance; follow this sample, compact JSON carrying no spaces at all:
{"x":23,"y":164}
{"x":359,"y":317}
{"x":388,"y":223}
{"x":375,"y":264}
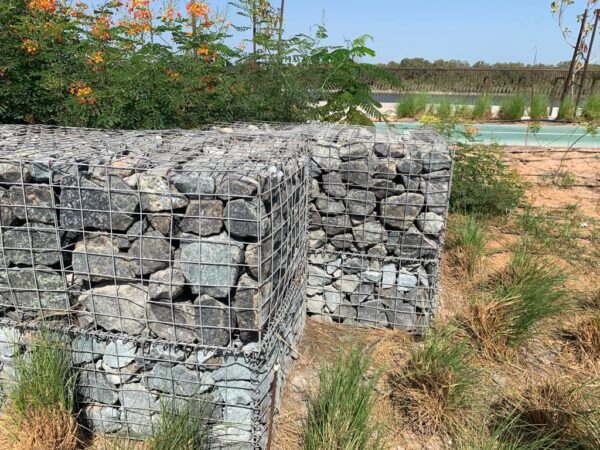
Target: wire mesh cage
{"x":190,"y":240}
{"x":377,"y":215}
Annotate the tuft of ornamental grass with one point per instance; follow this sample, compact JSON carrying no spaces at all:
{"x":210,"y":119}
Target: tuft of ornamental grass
{"x":340,"y":412}
{"x":584,"y":334}
{"x":540,"y":105}
{"x":444,"y":109}
{"x":437,"y":388}
{"x":483,"y":108}
{"x":566,"y":110}
{"x":563,"y":412}
{"x":180,"y":428}
{"x":39,"y":411}
{"x":466,"y":243}
{"x":591,"y":108}
{"x":412,"y":106}
{"x":464,"y":112}
{"x":517,"y":300}
{"x":513,"y":107}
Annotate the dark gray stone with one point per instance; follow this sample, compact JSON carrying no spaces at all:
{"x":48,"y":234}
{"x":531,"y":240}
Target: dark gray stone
{"x":327,"y":156}
{"x":355,"y":265}
{"x":343,"y":241}
{"x":411,"y":244}
{"x":328,"y":206}
{"x":333,"y":185}
{"x":362,"y":292}
{"x":250,"y":304}
{"x":176,"y":380}
{"x":93,"y":386}
{"x":400,"y":211}
{"x":14,"y":173}
{"x":103,"y":419}
{"x":434,"y":160}
{"x":337,"y":225}
{"x":174,"y":322}
{"x":166,"y":284}
{"x":354,"y":150}
{"x":7,"y":215}
{"x":389,"y":149}
{"x":34,"y":289}
{"x":259,"y":258}
{"x":368,"y":234}
{"x":194,"y":183}
{"x":36,"y":244}
{"x":355,"y":172}
{"x":158,"y":195}
{"x":37,"y":203}
{"x":360,"y":203}
{"x":203,"y":217}
{"x":430,"y":223}
{"x":235,"y":185}
{"x":409,"y":167}
{"x":150,"y":253}
{"x":213,"y":322}
{"x":166,"y":352}
{"x":120,"y":353}
{"x":385,"y":188}
{"x":436,"y":188}
{"x":246,"y":219}
{"x":100,"y":257}
{"x":373,"y":313}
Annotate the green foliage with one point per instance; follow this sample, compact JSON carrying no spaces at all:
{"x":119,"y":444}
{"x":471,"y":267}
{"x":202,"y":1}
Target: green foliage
{"x":444,"y":109}
{"x":482,"y":182}
{"x":339,"y":414}
{"x":483,"y":108}
{"x":180,"y":428}
{"x":566,"y":111}
{"x":412,"y":106}
{"x":539,"y":107}
{"x":591,"y":109}
{"x":513,"y":107}
{"x":466,"y":241}
{"x":532,"y":290}
{"x":464,"y":112}
{"x":43,"y":377}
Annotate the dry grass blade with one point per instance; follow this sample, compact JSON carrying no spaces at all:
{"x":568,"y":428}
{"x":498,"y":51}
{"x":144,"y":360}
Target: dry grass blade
{"x":584,"y":334}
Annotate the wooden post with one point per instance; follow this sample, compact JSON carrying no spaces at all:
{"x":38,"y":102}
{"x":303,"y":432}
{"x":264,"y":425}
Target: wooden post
{"x":587,"y":59}
{"x":569,"y":79}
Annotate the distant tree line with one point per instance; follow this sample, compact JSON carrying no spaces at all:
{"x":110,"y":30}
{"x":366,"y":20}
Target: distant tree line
{"x":422,"y":63}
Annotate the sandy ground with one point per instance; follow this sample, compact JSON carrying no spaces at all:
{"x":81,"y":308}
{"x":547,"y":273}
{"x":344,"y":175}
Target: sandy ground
{"x":322,"y":342}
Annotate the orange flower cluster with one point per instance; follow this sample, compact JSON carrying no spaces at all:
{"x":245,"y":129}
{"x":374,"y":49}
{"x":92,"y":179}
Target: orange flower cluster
{"x":78,"y":11}
{"x":29,"y":46}
{"x":83,"y":93}
{"x":101,"y":27}
{"x":141,"y":17}
{"x":96,"y":58}
{"x":206,"y":54}
{"x":48,"y":6}
{"x":173,"y":74}
{"x":198,"y":9}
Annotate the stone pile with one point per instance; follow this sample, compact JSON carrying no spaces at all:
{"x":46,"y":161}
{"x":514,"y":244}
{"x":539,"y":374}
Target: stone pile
{"x":173,"y":259}
{"x":377,"y":215}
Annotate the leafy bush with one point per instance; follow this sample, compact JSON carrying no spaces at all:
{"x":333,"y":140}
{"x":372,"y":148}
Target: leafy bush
{"x":513,"y":107}
{"x":539,"y":107}
{"x":412,"y":106}
{"x":566,"y":111}
{"x":482,"y":182}
{"x":483,"y":108}
{"x":591,"y":109}
{"x":339,"y":414}
{"x":436,"y":388}
{"x":466,"y":242}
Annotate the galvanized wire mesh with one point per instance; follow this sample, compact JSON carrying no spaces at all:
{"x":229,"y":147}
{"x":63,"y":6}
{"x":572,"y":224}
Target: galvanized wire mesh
{"x":377,"y":214}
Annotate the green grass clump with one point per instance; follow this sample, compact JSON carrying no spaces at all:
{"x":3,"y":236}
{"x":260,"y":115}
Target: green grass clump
{"x":483,"y":108}
{"x":464,"y":112}
{"x":566,"y":110}
{"x":513,"y":107}
{"x":539,"y":107}
{"x":339,"y":414}
{"x":437,"y":387}
{"x":482,"y":182}
{"x":412,"y":106}
{"x":466,"y":242}
{"x":444,"y":109}
{"x":591,"y":109}
{"x":180,"y":428}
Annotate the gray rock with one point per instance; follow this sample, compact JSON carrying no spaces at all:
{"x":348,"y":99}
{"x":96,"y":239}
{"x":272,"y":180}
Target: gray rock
{"x":343,"y":241}
{"x":34,"y":289}
{"x":176,"y":380}
{"x":355,"y":150}
{"x":41,"y":169}
{"x":362,"y":292}
{"x":166,"y":284}
{"x":378,"y":250}
{"x":103,"y":419}
{"x":93,"y":386}
{"x":385,"y":169}
{"x":14,"y":173}
{"x":328,"y":206}
{"x":332,"y":266}
{"x":436,"y":188}
{"x":409,"y":166}
{"x":213,"y":324}
{"x":211,"y":266}
{"x":234,"y":368}
{"x":406,"y":280}
{"x":166,"y":352}
{"x":372,"y":313}
{"x":250,"y":304}
{"x":314,"y":305}
{"x":345,"y":310}
{"x":100,"y":257}
{"x":85,"y":204}
{"x":120,"y":307}
{"x":314,"y":218}
{"x":163,"y":223}
{"x":317,"y":276}
{"x":333,"y":185}
{"x":36,"y":244}
{"x":430,"y":223}
{"x":7,"y":216}
{"x":37,"y":202}
{"x":418,"y":297}
{"x":150,"y":253}
{"x":355,"y":265}
{"x":385,"y":188}
{"x":337,"y":225}
{"x":120,"y":353}
{"x":435,"y":160}
{"x":9,"y":343}
{"x":400,"y":211}
{"x":158,"y":195}
{"x":316,"y":239}
{"x":360,"y":203}
{"x":259,"y":258}
{"x":236,"y":185}
{"x":355,"y":172}
{"x":327,"y":156}
{"x":333,"y":297}
{"x":347,"y":283}
{"x":194,"y":183}
{"x":368,"y":234}
{"x":313,"y":189}
{"x":389,"y":149}
{"x":86,"y":349}
{"x":403,"y":316}
{"x":203,"y":217}
{"x":412,"y":245}
{"x":246,"y":219}
{"x":138,"y":405}
{"x":136,"y":230}
{"x":388,"y":278}
{"x":174,"y":322}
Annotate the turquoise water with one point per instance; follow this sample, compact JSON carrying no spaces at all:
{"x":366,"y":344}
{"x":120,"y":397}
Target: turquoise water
{"x":510,"y":134}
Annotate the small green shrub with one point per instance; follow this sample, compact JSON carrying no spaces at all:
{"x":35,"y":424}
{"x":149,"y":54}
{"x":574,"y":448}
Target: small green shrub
{"x":444,"y":109}
{"x":539,"y":107}
{"x":566,"y":111}
{"x":483,"y":108}
{"x":591,"y":109}
{"x":411,"y":106}
{"x":180,"y":428}
{"x":436,"y":388}
{"x":339,"y":414}
{"x":464,"y":112}
{"x":482,"y":182}
{"x":513,"y":107}
{"x":466,"y":242}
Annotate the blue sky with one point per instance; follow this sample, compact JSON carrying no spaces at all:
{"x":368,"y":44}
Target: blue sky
{"x":472,"y":30}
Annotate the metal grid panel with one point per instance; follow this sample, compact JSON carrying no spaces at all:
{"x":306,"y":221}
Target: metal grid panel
{"x":377,"y":215}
